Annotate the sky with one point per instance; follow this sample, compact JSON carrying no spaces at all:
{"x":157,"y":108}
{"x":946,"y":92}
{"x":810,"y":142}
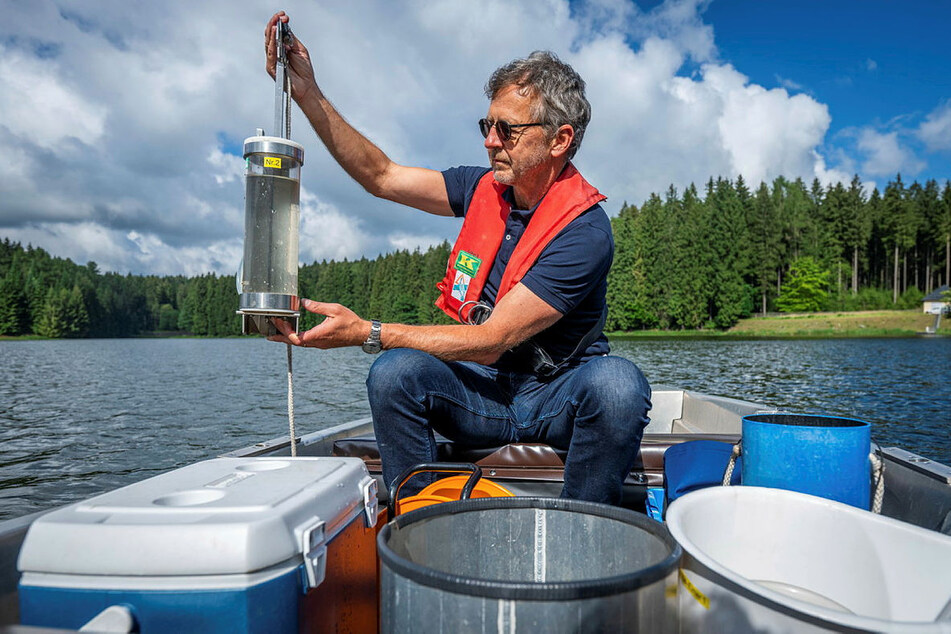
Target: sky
{"x":122,"y":123}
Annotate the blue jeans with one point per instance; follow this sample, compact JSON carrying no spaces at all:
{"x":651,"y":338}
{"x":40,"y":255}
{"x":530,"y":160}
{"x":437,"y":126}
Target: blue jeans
{"x":596,"y":411}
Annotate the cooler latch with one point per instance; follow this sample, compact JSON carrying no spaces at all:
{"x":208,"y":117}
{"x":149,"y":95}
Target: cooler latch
{"x":314,"y":551}
{"x":370,"y":501}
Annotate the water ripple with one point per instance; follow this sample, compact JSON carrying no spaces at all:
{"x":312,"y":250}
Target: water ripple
{"x":81,"y":417}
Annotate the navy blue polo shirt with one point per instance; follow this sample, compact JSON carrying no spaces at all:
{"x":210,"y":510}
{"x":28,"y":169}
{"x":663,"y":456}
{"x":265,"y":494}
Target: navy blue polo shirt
{"x":570,"y":275}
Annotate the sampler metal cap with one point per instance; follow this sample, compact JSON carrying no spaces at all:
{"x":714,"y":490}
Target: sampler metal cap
{"x":274,"y":145}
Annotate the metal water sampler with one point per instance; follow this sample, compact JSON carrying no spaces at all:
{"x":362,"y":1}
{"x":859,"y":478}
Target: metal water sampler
{"x":267,"y":279}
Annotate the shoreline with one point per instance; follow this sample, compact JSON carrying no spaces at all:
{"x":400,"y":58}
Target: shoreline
{"x":867,"y":324}
{"x":864,"y":324}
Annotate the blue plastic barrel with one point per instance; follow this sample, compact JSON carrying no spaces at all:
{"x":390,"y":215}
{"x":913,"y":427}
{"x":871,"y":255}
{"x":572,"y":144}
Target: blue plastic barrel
{"x":819,"y":455}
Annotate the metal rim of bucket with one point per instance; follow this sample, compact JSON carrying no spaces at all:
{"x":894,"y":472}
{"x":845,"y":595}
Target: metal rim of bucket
{"x":523,"y":590}
{"x":804,"y":420}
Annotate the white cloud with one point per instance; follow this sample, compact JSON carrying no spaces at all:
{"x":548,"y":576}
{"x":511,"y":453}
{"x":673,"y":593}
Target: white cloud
{"x":228,"y":167}
{"x":935,"y":130}
{"x":326,"y":233}
{"x":411,"y":242}
{"x":129,"y":135}
{"x":886,"y":155}
{"x":871,"y":65}
{"x":653,"y":127}
{"x":39,"y":105}
{"x":789,"y":84}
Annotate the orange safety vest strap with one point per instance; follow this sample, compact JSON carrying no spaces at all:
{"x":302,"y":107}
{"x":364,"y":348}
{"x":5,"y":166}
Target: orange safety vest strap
{"x":482,"y":231}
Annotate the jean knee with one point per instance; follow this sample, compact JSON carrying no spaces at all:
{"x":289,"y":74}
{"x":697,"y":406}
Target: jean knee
{"x":395,"y":371}
{"x":618,"y":387}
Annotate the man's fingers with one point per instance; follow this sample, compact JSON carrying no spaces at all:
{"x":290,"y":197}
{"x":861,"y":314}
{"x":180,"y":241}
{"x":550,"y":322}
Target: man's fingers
{"x":292,"y":339}
{"x":318,"y":308}
{"x":282,"y":325}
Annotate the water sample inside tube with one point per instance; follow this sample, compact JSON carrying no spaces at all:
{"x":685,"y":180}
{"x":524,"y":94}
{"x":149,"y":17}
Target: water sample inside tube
{"x":271,"y":230}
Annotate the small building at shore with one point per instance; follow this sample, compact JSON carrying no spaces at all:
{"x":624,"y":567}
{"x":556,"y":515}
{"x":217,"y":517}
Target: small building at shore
{"x":938,"y":301}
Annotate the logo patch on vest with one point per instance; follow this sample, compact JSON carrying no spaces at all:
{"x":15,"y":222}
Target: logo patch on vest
{"x":467,"y":263}
{"x":460,"y":284}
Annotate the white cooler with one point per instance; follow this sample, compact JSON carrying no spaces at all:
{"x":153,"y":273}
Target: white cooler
{"x":226,"y":545}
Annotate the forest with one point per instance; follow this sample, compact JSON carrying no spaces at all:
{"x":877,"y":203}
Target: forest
{"x":683,"y":260}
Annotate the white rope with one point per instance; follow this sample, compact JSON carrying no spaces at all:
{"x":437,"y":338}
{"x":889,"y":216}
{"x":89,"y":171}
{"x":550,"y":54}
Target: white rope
{"x":728,"y":475}
{"x":878,"y":469}
{"x":878,"y":472}
{"x":290,"y":401}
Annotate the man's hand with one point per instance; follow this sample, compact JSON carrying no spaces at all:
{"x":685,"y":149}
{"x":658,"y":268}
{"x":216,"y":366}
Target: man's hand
{"x":342,"y":327}
{"x":299,"y":66}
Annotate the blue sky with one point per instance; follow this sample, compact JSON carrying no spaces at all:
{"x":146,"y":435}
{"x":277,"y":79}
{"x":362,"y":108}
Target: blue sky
{"x":121,"y":123}
{"x":875,"y":63}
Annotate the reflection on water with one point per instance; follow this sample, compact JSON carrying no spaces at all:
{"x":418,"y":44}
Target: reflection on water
{"x":901,"y":386}
{"x":79,"y":417}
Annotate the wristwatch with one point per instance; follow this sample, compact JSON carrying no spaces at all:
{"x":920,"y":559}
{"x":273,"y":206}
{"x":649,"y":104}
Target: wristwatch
{"x":373,"y":345}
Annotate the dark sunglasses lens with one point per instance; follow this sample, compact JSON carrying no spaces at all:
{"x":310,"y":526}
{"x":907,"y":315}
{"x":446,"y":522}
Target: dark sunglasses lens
{"x":503,"y":129}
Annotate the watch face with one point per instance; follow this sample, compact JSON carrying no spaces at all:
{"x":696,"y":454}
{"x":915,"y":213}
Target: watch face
{"x":371,"y":347}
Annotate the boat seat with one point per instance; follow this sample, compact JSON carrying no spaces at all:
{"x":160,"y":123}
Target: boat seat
{"x":532,"y":461}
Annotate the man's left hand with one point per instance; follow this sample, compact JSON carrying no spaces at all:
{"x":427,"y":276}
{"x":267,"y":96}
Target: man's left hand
{"x":342,"y":327}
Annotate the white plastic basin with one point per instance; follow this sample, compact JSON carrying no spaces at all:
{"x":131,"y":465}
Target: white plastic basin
{"x":758,"y":558}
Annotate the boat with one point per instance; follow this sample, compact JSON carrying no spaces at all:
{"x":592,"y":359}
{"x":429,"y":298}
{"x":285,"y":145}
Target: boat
{"x":917,"y":491}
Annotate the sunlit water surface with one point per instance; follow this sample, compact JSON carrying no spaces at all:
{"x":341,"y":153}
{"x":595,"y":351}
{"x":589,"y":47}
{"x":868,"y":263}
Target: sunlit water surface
{"x":80,"y":417}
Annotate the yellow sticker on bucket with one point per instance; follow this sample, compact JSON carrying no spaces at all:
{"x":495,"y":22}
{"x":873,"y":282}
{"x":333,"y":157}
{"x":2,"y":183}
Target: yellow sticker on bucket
{"x":694,"y":592}
{"x":272,"y":161}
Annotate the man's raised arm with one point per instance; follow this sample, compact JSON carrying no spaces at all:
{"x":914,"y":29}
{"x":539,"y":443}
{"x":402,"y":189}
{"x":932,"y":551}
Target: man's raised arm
{"x":358,"y":156}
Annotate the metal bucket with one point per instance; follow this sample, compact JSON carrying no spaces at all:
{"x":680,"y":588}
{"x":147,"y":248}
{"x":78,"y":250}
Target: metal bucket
{"x":819,"y":455}
{"x":527,"y":564}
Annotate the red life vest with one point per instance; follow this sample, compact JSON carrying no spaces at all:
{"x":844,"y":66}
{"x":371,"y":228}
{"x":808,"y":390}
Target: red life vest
{"x":484,"y":227}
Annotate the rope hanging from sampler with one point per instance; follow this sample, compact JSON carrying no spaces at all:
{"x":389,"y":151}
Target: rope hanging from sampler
{"x":290,"y":400}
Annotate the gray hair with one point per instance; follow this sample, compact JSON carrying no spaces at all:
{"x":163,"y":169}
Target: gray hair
{"x":559,"y":88}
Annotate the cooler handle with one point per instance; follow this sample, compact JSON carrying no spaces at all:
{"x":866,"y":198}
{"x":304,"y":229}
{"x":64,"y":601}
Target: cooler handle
{"x":314,"y":552}
{"x":370,"y":501}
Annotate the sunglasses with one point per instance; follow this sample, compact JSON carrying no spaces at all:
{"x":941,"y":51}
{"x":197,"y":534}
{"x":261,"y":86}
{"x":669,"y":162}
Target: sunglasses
{"x":502,"y":128}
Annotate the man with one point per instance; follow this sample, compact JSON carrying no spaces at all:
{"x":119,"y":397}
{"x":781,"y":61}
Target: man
{"x":527,"y":277}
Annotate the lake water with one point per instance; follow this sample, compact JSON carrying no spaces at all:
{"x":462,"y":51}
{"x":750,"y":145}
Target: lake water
{"x":79,"y":417}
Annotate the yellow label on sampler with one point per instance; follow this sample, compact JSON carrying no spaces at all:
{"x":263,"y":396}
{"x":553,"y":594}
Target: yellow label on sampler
{"x":272,"y":161}
{"x":694,"y":591}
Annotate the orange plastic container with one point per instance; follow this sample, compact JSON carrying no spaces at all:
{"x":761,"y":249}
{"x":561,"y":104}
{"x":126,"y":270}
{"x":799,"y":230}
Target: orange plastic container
{"x":448,"y":490}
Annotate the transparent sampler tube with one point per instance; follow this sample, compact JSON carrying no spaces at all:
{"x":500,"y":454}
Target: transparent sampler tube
{"x":272,"y":218}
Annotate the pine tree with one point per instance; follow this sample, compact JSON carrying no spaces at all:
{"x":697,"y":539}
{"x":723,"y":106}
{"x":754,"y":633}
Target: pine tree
{"x":729,"y":242}
{"x":621,"y":295}
{"x":765,"y":243}
{"x":856,"y":227}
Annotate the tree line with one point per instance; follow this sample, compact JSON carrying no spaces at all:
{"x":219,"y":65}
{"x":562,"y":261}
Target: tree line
{"x":692,"y":260}
{"x":53,"y":297}
{"x":682,"y":260}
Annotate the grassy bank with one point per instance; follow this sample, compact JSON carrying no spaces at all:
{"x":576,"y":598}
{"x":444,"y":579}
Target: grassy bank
{"x":872,"y":323}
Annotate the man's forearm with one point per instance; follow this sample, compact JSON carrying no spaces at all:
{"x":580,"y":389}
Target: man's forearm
{"x":481,"y":344}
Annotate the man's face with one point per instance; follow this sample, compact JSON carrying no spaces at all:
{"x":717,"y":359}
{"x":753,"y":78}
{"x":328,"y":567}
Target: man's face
{"x":517,"y":159}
